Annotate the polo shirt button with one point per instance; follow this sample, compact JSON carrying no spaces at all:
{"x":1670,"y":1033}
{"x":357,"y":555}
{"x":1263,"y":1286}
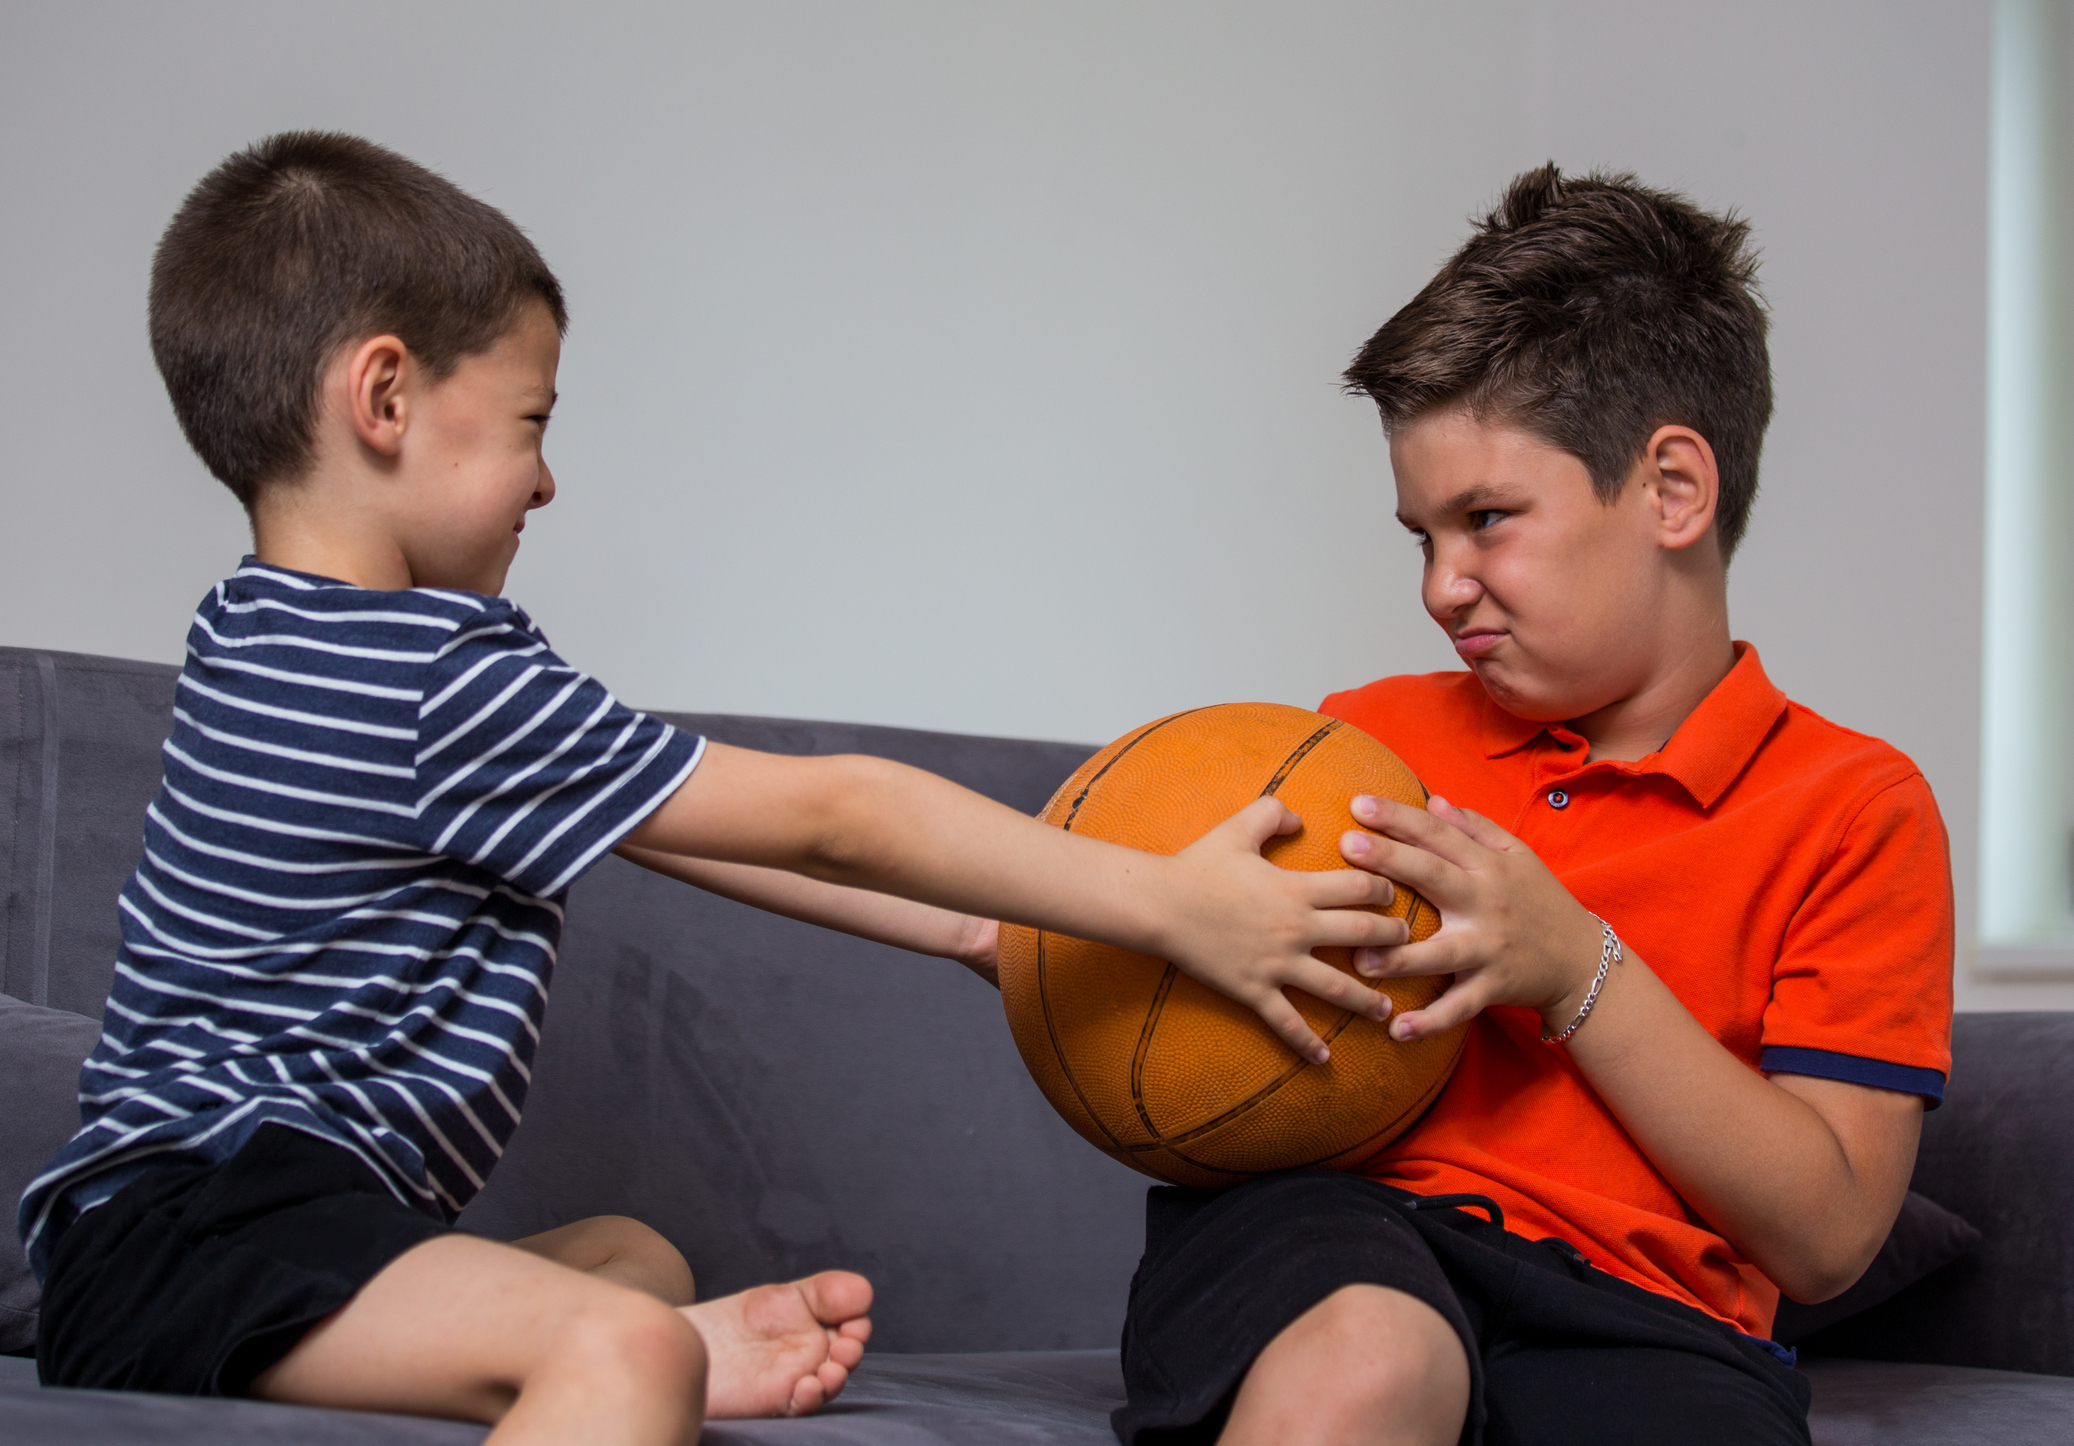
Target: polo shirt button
{"x":1558,"y":799}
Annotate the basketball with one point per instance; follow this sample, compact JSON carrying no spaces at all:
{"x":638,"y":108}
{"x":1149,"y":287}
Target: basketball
{"x":1166,"y":1074}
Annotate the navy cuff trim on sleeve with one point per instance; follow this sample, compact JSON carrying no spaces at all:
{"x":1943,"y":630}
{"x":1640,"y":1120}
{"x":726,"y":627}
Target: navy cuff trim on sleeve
{"x":1853,"y":1069}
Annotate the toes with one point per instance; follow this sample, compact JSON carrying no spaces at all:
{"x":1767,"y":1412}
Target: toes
{"x":846,"y":1351}
{"x":808,"y":1396}
{"x":833,"y":1378}
{"x":858,"y":1330}
{"x":836,"y":1295}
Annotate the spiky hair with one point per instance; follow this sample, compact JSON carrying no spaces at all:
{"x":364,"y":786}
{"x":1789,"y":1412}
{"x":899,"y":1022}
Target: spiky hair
{"x":1589,"y":312}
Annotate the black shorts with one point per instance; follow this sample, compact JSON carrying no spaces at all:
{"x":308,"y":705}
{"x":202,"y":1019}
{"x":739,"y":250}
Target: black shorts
{"x":193,"y":1279}
{"x":1559,"y":1352}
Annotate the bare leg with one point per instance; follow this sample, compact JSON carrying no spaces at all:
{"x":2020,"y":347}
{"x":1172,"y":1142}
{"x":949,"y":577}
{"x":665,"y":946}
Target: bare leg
{"x":466,"y":1328}
{"x":469,"y":1329}
{"x":1366,"y":1366}
{"x":623,"y":1251}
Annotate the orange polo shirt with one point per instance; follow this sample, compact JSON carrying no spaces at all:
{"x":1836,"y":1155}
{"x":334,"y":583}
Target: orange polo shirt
{"x":1788,"y":879}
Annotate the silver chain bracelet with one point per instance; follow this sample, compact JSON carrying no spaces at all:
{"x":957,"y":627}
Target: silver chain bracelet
{"x":1609,"y":955}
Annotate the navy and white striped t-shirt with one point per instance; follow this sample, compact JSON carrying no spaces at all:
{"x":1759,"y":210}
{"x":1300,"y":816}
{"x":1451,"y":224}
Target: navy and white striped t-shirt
{"x":347,"y":909}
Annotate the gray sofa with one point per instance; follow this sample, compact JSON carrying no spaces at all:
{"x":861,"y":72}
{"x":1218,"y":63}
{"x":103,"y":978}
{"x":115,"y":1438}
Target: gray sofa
{"x":777,"y":1099}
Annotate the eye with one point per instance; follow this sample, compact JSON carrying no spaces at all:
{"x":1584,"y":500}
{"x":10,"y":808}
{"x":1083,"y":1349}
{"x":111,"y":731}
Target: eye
{"x":1420,"y":536}
{"x":1483,"y":517}
{"x":541,"y":418}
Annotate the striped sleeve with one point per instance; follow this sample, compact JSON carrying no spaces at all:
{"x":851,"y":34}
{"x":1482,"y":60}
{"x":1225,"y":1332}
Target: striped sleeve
{"x":527,"y":767}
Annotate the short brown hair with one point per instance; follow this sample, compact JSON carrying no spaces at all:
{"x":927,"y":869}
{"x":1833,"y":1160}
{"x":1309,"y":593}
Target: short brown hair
{"x":1589,"y":312}
{"x":299,"y":245}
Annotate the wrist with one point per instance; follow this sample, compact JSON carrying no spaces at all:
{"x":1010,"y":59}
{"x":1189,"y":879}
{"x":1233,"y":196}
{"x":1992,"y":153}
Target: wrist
{"x":978,"y":946}
{"x":1150,"y":893}
{"x":1583,"y":953}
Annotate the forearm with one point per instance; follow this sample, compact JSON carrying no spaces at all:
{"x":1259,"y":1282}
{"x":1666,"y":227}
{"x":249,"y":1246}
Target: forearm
{"x":868,"y":824}
{"x":1751,"y":1155}
{"x":922,"y":928}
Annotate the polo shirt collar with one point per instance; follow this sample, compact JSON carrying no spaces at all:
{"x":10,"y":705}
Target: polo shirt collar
{"x":1713,"y":745}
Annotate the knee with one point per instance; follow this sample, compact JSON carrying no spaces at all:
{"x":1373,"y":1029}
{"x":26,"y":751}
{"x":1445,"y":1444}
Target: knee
{"x":645,"y":1257}
{"x":1383,"y":1349}
{"x":632,"y":1336}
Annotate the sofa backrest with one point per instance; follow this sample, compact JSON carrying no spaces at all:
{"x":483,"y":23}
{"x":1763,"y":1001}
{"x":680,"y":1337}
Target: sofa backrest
{"x":773,"y":1097}
{"x":79,"y":740}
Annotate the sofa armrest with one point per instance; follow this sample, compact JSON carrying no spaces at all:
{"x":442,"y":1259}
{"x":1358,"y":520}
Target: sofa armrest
{"x":2000,"y":1153}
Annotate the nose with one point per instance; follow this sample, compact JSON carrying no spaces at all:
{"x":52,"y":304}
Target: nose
{"x":1447,"y":590}
{"x":543,"y":490}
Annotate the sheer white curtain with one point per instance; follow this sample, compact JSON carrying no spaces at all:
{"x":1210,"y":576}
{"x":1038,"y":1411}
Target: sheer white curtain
{"x":2025,"y":868}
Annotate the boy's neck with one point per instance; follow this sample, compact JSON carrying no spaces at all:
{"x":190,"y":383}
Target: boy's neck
{"x":1643,"y":722}
{"x":290,"y":538}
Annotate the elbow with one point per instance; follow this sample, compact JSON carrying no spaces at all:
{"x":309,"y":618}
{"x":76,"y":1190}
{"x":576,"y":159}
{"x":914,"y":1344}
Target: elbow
{"x":1817,"y":1271}
{"x":1813,"y":1286}
{"x":846,"y":800}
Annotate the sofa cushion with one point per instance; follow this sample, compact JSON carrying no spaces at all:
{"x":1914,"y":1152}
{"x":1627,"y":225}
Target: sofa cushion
{"x":1925,"y":1237}
{"x":1883,"y":1403}
{"x":1044,"y":1398}
{"x":40,"y":1054}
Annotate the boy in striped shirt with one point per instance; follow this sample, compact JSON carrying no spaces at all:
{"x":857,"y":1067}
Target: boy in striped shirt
{"x":380,"y":783}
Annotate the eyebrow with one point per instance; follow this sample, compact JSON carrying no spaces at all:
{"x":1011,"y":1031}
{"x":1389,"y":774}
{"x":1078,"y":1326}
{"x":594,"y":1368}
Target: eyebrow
{"x":1471,"y":499}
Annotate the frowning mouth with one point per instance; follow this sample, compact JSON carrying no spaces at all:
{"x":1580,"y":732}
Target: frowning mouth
{"x":1476,"y":642}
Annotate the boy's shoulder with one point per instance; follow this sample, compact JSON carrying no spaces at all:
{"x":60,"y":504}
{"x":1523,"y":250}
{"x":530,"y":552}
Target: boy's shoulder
{"x":1806,"y":744}
{"x":262,"y":608}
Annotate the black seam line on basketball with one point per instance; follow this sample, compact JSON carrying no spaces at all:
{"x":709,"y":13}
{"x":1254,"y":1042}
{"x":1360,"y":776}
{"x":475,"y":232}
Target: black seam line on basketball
{"x":1088,"y":787}
{"x":1145,"y":1033}
{"x":1160,"y":1138}
{"x":1259,"y":1096}
{"x":1058,"y":1052}
{"x":1289,"y":764}
{"x":1166,"y":979}
{"x":1162,"y":1141}
{"x":1409,"y":1116}
{"x":1411,"y":911}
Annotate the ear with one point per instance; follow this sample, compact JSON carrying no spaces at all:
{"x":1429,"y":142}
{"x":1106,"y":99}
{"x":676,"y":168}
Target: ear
{"x":380,"y":373}
{"x":1683,"y":485}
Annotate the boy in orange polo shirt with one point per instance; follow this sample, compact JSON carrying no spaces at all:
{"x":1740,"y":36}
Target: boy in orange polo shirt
{"x":1586,"y":1237}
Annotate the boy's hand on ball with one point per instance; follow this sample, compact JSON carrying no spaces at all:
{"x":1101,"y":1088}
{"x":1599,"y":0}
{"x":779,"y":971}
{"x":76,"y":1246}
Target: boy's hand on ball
{"x":1247,"y":928}
{"x":1509,"y":931}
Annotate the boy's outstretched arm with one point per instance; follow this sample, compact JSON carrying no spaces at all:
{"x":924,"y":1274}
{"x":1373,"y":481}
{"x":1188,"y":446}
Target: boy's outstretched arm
{"x":1217,"y":909}
{"x":903,"y":923}
{"x":1803,"y":1175}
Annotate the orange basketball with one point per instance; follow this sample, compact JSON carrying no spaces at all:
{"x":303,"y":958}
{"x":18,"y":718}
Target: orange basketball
{"x":1166,"y":1074}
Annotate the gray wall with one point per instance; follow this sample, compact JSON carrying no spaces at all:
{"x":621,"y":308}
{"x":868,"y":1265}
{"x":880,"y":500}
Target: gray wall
{"x":971,"y":366}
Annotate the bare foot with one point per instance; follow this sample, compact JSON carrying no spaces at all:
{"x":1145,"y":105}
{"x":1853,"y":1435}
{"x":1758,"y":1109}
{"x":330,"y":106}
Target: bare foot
{"x":783,"y":1350}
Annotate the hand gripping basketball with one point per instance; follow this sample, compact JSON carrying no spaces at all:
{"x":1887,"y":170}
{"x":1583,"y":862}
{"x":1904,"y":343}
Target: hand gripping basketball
{"x":1512,"y":934}
{"x":1301,"y":911}
{"x":1178,"y":1062}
